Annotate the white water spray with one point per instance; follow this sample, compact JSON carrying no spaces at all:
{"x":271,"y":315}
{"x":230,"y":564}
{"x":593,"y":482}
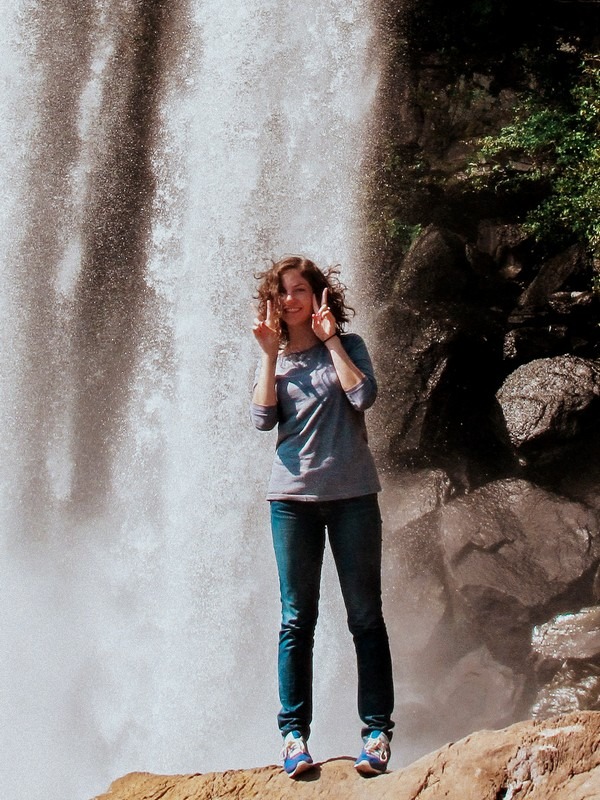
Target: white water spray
{"x":140,"y":611}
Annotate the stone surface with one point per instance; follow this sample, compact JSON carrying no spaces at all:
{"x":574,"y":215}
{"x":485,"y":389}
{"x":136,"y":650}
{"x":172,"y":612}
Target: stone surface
{"x":556,"y":759}
{"x":569,"y":636}
{"x":545,"y":402}
{"x":413,"y":574}
{"x":413,"y":570}
{"x":552,"y":276}
{"x":411,"y":494}
{"x":574,"y":687}
{"x":567,"y":653}
{"x":512,"y":550}
{"x":432,"y":400}
{"x":479,"y":692}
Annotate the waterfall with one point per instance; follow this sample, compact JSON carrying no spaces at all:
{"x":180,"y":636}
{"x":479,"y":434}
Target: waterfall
{"x":154,"y":156}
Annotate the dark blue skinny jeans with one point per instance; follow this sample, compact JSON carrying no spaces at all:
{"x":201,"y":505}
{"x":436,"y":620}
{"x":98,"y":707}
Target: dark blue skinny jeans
{"x":354,"y":530}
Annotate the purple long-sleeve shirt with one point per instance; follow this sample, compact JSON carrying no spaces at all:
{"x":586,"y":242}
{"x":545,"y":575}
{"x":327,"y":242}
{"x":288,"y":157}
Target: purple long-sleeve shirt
{"x":322,"y":451}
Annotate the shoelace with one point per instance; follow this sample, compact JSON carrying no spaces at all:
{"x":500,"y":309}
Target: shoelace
{"x":377,"y":747}
{"x":294,"y":747}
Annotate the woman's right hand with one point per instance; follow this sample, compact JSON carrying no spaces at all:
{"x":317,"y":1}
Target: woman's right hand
{"x":265,"y":332}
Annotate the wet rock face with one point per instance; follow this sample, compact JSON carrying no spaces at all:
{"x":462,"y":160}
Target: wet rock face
{"x":466,"y":582}
{"x":569,"y":636}
{"x":549,"y":401}
{"x":490,"y":364}
{"x":432,"y":400}
{"x":575,"y":686}
{"x":513,"y":550}
{"x":567,"y":652}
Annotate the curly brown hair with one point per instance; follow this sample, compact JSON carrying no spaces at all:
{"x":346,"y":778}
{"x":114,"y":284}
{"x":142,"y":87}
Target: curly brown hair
{"x":271,"y":288}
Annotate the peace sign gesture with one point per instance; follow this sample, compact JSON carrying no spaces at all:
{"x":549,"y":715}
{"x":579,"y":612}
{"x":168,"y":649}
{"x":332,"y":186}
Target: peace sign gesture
{"x":265,"y":332}
{"x":323,"y":322}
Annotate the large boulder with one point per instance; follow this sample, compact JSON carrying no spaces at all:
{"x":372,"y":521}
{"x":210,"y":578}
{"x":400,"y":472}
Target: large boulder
{"x":413,"y":568}
{"x":574,"y":686}
{"x":438,"y":358}
{"x":514,"y":554}
{"x":574,"y":636}
{"x":551,"y":277}
{"x":567,"y":653}
{"x":548,"y":402}
{"x":557,"y":758}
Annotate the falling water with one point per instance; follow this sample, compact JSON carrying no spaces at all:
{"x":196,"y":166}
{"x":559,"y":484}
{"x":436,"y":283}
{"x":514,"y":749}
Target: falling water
{"x":154,"y":155}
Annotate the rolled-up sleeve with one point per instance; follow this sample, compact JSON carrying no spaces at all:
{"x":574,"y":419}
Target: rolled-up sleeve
{"x":362,"y":396}
{"x":264,"y":417}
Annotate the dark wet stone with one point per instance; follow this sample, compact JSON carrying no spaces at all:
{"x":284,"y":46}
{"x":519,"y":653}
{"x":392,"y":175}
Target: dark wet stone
{"x":438,"y":358}
{"x":574,"y":636}
{"x":552,"y":276}
{"x":575,"y":687}
{"x":549,"y":401}
{"x":512,"y":551}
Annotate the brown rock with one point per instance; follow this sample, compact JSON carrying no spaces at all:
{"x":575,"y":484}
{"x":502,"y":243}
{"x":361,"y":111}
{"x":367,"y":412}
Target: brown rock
{"x":414,"y":574}
{"x":512,"y":551}
{"x":552,"y":276}
{"x":575,"y":687}
{"x":413,"y":565}
{"x":479,"y":692}
{"x":411,"y":494}
{"x":434,"y":334}
{"x":571,"y":644}
{"x":547,"y":401}
{"x":556,"y":759}
{"x":569,"y":636}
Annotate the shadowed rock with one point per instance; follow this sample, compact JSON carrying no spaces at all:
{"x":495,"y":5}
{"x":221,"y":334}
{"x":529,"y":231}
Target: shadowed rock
{"x":573,"y":636}
{"x":552,"y":276}
{"x":567,"y":648}
{"x":549,"y":401}
{"x":557,"y":758}
{"x":513,"y":551}
{"x":575,"y":686}
{"x":433,"y":400}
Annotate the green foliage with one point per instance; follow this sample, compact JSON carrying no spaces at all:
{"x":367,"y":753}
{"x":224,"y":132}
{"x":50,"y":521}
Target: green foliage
{"x":401,"y":233}
{"x":552,"y":145}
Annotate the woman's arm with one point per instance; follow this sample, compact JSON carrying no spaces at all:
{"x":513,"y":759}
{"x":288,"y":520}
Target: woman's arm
{"x":267,"y":337}
{"x":325,"y":327}
{"x":348,"y":373}
{"x":264,"y":391}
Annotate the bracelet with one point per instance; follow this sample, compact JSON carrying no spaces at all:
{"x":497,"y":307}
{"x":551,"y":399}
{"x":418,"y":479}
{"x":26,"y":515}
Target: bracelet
{"x":328,"y":338}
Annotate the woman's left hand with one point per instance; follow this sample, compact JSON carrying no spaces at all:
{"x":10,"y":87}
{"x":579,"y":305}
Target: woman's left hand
{"x":323,"y":321}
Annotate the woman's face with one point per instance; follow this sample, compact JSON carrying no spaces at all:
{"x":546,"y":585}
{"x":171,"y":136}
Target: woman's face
{"x":296,"y":299}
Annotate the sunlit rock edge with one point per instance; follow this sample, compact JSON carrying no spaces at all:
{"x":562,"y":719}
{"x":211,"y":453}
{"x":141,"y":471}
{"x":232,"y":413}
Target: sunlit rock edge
{"x":556,"y":758}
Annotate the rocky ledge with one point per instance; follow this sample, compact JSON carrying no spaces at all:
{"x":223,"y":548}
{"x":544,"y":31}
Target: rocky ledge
{"x":554,"y":759}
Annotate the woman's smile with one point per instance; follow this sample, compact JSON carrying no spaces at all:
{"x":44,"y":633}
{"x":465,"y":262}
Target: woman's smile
{"x":296,"y":297}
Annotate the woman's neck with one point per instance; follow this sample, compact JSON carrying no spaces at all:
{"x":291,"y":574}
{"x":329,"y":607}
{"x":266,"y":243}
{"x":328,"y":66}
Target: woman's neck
{"x":301,"y":339}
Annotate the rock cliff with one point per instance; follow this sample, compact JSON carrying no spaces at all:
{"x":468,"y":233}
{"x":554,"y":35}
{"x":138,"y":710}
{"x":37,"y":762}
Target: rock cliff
{"x":558,"y":759}
{"x":487,"y":346}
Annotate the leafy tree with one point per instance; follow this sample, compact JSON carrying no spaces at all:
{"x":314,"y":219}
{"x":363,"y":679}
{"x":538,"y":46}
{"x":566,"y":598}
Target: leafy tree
{"x":553,"y":144}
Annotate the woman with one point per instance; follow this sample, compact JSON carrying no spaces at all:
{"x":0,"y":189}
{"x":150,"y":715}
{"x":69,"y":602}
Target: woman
{"x":315,"y":383}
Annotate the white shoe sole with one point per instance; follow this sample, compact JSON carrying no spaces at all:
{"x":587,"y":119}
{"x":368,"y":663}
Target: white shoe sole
{"x":366,"y":769}
{"x":302,"y":766}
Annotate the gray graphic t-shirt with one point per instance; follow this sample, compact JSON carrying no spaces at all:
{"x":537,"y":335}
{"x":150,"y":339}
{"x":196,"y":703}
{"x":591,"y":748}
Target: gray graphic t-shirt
{"x":322,"y":451}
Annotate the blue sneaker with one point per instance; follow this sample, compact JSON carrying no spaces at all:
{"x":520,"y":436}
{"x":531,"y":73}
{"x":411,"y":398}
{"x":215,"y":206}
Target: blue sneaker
{"x":374,"y":756}
{"x":295,"y":755}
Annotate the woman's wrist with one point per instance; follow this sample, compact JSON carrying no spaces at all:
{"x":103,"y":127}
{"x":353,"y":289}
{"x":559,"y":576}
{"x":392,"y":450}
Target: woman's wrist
{"x":329,"y":337}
